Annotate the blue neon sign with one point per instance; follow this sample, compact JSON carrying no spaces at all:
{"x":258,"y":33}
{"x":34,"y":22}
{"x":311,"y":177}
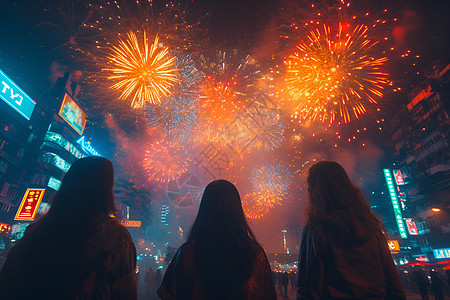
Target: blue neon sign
{"x":86,"y":145}
{"x":441,"y":253}
{"x":15,"y":97}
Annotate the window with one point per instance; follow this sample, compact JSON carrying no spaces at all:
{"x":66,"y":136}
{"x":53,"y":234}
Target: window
{"x":3,"y":166}
{"x":20,"y":153}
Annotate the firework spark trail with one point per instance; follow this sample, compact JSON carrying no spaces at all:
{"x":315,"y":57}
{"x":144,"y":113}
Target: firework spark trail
{"x":142,"y":71}
{"x":334,"y":74}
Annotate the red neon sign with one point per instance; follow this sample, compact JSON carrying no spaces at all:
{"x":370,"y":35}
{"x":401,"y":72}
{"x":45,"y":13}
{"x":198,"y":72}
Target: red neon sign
{"x":30,"y":204}
{"x":412,"y":228}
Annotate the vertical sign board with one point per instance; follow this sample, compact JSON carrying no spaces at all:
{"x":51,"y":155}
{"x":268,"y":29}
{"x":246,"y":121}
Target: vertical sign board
{"x":71,"y":112}
{"x":30,"y":204}
{"x":12,"y":95}
{"x":395,"y":203}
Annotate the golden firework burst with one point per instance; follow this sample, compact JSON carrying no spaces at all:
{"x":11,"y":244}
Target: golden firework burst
{"x":335,"y":74}
{"x":142,"y":71}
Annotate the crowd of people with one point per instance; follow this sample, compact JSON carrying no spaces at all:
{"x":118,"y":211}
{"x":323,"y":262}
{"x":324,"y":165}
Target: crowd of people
{"x":79,"y":250}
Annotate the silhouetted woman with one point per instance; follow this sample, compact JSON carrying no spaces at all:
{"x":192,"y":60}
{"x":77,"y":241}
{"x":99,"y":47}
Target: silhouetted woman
{"x":221,"y":258}
{"x":343,"y":253}
{"x":75,"y":251}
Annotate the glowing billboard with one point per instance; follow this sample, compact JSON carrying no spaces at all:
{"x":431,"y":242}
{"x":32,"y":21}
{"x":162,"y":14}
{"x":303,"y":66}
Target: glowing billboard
{"x":401,"y":177}
{"x":412,"y":228}
{"x":130,"y":223}
{"x":395,"y":203}
{"x":30,"y":204}
{"x":441,"y":253}
{"x":393,"y":245}
{"x":54,"y":183}
{"x":64,"y":143}
{"x":55,"y":160}
{"x":72,"y":114}
{"x":12,"y":95}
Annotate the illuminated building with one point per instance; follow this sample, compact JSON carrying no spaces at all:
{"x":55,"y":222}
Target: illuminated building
{"x":18,"y":142}
{"x":421,"y":138}
{"x":63,"y":141}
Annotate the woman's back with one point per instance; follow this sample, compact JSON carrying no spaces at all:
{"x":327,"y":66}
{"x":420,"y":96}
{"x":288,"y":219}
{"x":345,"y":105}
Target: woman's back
{"x":359,"y":267}
{"x":183,"y":281}
{"x":343,"y":254}
{"x":73,"y":241}
{"x":221,"y":258}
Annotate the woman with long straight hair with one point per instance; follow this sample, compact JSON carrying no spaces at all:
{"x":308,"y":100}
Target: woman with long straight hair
{"x":77,"y":250}
{"x":343,"y":253}
{"x":221,"y":258}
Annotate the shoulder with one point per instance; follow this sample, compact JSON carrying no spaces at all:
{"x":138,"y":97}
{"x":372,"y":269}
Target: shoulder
{"x":112,"y":227}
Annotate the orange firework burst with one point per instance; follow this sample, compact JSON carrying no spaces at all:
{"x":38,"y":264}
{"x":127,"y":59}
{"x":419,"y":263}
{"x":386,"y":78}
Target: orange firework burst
{"x":228,"y":84}
{"x":142,"y":71}
{"x":166,"y":161}
{"x":335,"y":74}
{"x":253,"y":205}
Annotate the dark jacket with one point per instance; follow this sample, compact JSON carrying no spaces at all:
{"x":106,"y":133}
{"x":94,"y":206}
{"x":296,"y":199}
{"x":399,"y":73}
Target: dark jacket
{"x":104,"y":269}
{"x":181,"y":280}
{"x":359,"y":267}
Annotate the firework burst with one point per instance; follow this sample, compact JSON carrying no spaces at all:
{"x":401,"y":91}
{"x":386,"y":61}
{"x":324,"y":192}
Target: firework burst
{"x":142,"y":70}
{"x":272,"y":179}
{"x":165,"y":161}
{"x":334,"y":74}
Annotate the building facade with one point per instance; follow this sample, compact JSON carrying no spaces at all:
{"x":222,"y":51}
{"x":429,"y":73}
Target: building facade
{"x":421,"y":137}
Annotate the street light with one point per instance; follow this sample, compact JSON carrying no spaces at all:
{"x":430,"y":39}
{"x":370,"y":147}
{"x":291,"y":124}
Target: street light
{"x":436,"y":209}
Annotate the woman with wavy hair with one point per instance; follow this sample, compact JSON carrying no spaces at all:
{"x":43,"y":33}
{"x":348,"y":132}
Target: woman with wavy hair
{"x":343,"y":253}
{"x":77,"y":250}
{"x":221,"y":258}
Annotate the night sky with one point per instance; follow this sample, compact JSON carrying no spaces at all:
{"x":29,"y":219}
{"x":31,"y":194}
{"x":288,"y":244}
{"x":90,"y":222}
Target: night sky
{"x":35,"y":40}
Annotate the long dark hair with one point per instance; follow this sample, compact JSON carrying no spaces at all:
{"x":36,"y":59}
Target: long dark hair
{"x":224,"y":245}
{"x":336,"y":205}
{"x":48,"y":257}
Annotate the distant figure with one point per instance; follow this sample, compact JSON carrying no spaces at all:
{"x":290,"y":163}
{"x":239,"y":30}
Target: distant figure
{"x":221,"y":258}
{"x":75,"y":251}
{"x":421,"y":283}
{"x":293,"y":279}
{"x":158,"y":278}
{"x":150,"y":280}
{"x":280,"y":282}
{"x":285,"y":282}
{"x":437,"y":286}
{"x":343,"y":252}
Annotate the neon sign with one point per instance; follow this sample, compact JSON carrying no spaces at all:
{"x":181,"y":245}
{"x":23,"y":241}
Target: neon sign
{"x":395,"y":203}
{"x":30,"y":204}
{"x":130,"y":223}
{"x":54,"y":183}
{"x":64,"y":143}
{"x":87,"y":147}
{"x":441,"y":253}
{"x":412,"y":228}
{"x":55,"y":160}
{"x":15,"y":97}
